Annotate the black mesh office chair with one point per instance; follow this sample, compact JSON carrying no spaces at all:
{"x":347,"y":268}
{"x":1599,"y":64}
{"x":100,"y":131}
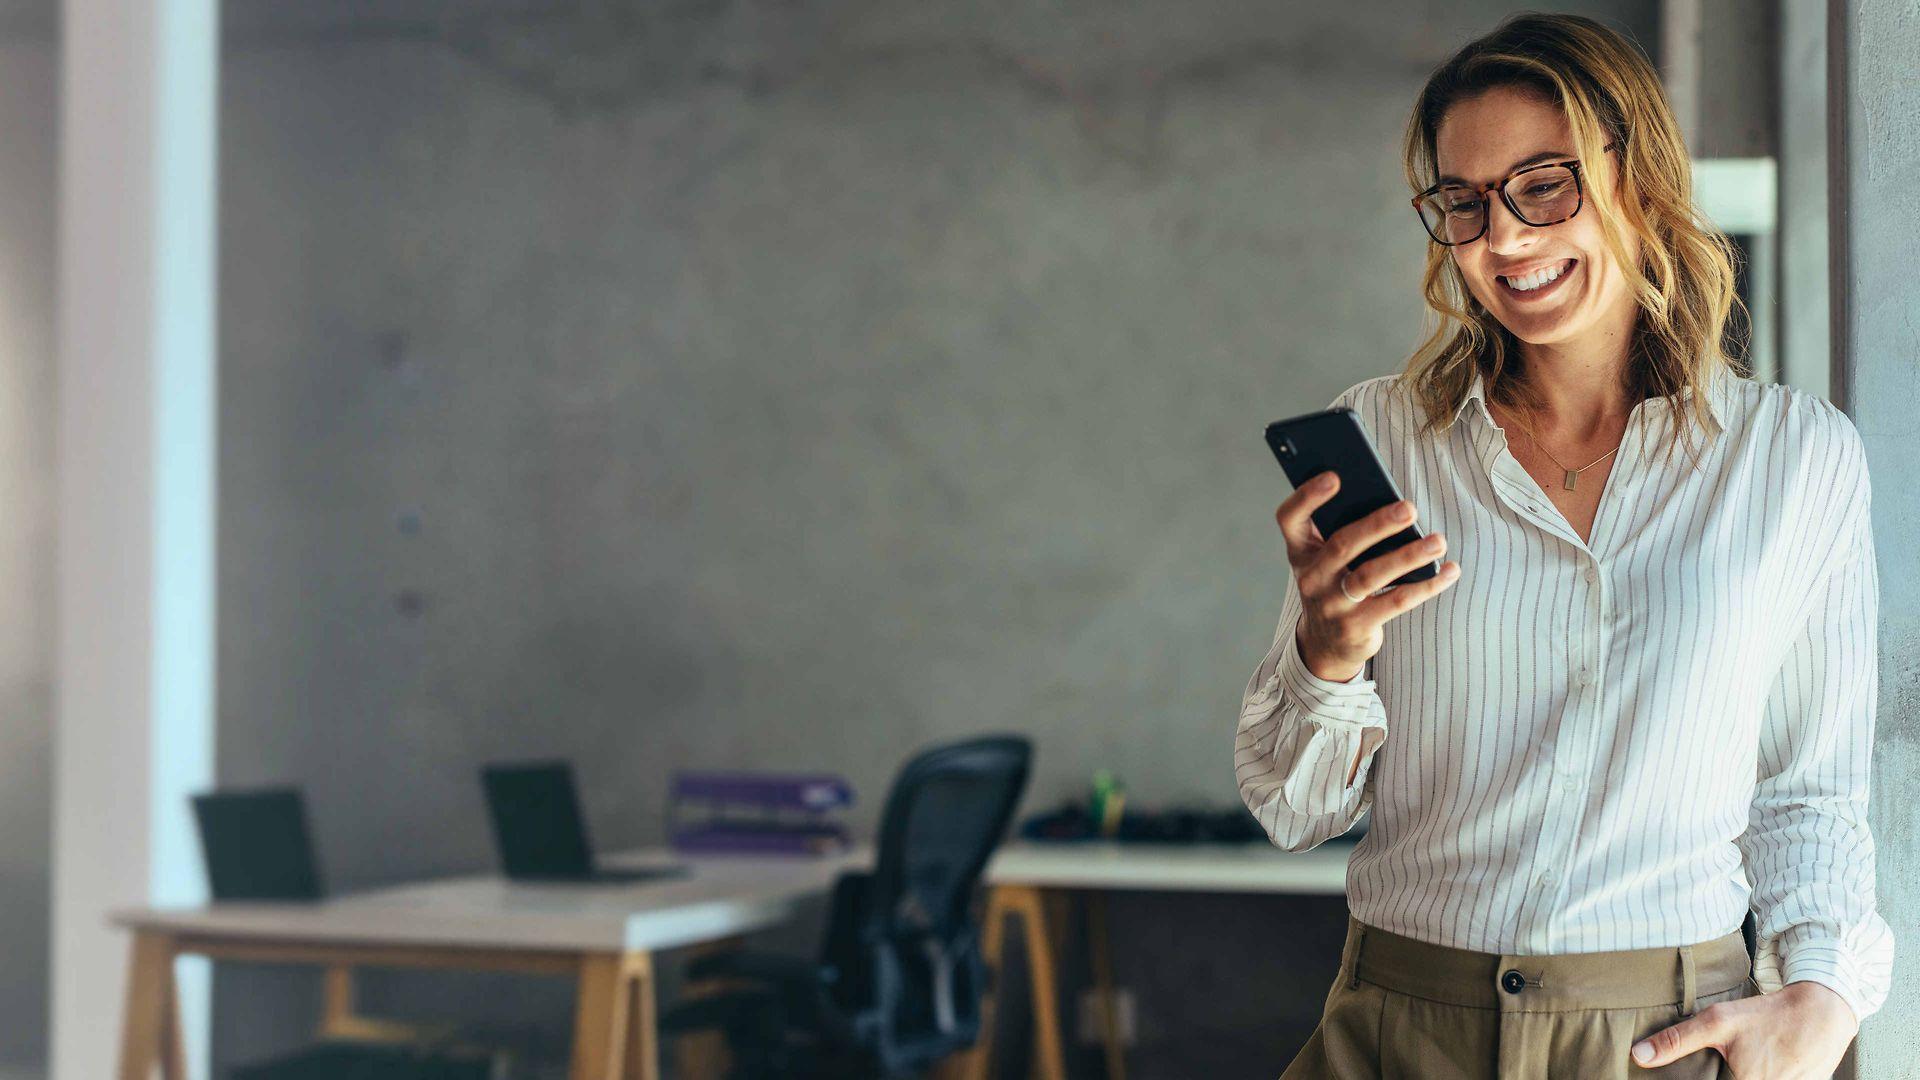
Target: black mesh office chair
{"x":898,"y":980}
{"x":258,"y":848}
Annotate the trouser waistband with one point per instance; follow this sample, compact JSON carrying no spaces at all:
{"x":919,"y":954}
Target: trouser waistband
{"x":1627,"y":979}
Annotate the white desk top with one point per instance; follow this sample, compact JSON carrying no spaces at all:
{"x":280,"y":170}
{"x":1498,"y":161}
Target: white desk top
{"x":1250,"y":867}
{"x":721,"y":897}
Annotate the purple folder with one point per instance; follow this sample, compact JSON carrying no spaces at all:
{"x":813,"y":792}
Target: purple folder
{"x":744,"y":813}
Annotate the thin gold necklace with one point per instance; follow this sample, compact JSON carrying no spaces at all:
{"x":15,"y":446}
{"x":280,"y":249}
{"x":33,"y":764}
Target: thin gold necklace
{"x":1569,"y":477}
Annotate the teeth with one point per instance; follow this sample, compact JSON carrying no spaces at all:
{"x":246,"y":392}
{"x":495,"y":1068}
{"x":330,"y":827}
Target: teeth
{"x":1532,"y":281}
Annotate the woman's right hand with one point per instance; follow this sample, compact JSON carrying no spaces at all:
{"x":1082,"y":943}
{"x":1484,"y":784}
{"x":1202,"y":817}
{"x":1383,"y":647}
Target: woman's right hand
{"x":1337,"y":636}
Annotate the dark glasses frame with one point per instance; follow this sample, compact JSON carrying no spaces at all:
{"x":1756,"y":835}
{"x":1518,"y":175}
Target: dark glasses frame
{"x":1500,"y":185}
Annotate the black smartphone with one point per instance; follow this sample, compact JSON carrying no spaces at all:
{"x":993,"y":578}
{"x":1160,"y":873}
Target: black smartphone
{"x":1334,"y":439}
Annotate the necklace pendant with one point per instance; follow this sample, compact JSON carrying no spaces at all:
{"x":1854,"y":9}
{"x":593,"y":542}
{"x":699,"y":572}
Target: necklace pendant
{"x":1571,"y":479}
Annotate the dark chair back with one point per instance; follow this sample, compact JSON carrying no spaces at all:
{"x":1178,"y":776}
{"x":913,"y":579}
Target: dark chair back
{"x":257,"y":846}
{"x":904,"y":943}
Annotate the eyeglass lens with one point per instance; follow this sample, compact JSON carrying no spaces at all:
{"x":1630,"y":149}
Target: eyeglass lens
{"x":1457,"y":214}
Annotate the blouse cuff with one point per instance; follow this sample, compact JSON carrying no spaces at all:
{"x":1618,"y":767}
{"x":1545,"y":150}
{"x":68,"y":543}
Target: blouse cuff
{"x":1323,"y":700}
{"x":1827,"y":962}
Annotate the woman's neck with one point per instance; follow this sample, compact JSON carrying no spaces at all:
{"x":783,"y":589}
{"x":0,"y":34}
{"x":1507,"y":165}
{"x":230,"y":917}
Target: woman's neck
{"x":1582,"y":386}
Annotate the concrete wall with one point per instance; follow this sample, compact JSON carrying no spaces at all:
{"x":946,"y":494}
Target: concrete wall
{"x":789,"y":386}
{"x":1880,"y":376}
{"x":29,"y":87}
{"x":1738,"y":95}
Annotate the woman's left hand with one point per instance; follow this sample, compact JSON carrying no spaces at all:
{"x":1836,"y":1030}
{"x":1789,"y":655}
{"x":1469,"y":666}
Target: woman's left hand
{"x":1799,"y":1032}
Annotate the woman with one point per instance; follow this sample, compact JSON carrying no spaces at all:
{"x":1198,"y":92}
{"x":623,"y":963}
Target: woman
{"x":1639,"y":698}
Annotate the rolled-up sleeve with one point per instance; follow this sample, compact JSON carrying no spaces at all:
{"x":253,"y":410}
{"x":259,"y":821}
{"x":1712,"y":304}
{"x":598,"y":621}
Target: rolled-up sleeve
{"x":1808,"y":849}
{"x":1298,"y":735}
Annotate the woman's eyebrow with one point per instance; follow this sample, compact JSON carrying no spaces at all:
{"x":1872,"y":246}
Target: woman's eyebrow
{"x":1530,"y":159}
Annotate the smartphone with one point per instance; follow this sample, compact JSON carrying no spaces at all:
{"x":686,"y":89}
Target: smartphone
{"x":1334,"y":439}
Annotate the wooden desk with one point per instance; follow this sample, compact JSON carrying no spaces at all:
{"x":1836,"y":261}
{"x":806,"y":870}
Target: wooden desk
{"x":1026,"y":879}
{"x":603,"y":936}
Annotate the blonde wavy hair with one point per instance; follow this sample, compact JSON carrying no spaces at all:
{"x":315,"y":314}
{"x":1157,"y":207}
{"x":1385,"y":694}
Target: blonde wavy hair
{"x":1684,"y":276}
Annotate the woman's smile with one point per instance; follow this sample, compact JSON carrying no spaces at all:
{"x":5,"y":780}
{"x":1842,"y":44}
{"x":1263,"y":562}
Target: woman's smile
{"x":1537,"y":283}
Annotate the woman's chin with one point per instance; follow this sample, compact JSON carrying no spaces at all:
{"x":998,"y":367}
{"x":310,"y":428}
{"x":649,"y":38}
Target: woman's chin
{"x":1540,"y":327}
{"x":1532,"y":333}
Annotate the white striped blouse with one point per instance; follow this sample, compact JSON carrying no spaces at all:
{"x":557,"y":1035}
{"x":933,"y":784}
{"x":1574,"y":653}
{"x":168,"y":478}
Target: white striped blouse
{"x":1620,"y":743}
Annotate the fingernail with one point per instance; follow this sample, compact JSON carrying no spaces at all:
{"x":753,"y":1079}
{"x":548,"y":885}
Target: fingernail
{"x":1323,"y":481}
{"x":1404,"y":511}
{"x":1643,"y":1052}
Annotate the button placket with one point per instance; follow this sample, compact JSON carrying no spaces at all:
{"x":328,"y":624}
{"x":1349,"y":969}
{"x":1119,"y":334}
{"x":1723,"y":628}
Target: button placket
{"x":1589,"y":669}
{"x":1549,"y":886}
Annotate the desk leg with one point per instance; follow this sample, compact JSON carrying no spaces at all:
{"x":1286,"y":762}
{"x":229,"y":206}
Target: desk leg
{"x":642,"y":1056}
{"x":600,"y":1014}
{"x":337,"y":1011}
{"x":150,"y":1028}
{"x":977,"y":1063}
{"x":704,"y":1055}
{"x":1049,"y":1055}
{"x":1026,"y":904}
{"x":173,"y":1041}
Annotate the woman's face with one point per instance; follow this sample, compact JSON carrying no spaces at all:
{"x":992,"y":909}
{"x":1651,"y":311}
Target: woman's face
{"x":1488,"y":137}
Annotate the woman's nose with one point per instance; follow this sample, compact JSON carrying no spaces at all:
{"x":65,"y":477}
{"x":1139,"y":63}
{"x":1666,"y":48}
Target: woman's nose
{"x":1505,"y":231}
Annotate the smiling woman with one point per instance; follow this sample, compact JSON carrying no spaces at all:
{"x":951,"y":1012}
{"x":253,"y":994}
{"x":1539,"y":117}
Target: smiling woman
{"x":1601,"y":138}
{"x":1639,"y":702}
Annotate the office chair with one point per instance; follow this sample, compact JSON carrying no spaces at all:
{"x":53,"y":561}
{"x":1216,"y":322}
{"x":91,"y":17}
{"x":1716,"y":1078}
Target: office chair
{"x":898,"y":979}
{"x":257,"y":848}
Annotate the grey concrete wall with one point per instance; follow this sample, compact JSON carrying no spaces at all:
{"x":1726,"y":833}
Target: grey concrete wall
{"x":789,"y":386}
{"x":1716,"y":59}
{"x":1880,"y":378}
{"x":1738,"y":96}
{"x":29,"y":87}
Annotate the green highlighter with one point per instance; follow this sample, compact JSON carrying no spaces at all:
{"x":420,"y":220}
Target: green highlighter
{"x":1109,"y":798}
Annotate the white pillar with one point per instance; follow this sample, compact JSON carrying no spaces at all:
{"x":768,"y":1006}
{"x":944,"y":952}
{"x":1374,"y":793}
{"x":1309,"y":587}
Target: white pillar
{"x":1801,"y":258}
{"x":134,"y":684}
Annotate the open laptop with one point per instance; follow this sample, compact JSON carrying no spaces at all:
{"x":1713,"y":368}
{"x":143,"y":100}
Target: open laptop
{"x":257,"y":846}
{"x":539,"y":831}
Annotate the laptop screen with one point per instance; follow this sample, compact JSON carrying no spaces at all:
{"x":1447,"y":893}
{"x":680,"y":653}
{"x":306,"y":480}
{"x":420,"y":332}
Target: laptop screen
{"x":536,"y":820}
{"x":257,"y":846}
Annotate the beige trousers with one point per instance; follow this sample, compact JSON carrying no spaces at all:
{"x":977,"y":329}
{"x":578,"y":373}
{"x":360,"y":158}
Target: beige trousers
{"x":1402,"y":1008}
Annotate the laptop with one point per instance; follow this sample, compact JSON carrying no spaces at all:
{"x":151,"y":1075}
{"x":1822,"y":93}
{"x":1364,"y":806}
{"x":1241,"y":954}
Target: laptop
{"x":257,"y":846}
{"x":538,"y":829}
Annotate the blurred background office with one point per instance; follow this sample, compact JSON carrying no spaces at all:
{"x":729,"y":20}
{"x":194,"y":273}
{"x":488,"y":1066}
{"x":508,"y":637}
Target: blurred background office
{"x":779,"y":385}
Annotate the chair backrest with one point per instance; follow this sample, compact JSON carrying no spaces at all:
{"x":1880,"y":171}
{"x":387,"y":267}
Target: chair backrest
{"x":257,"y":846}
{"x":948,"y":810}
{"x":537,"y":825}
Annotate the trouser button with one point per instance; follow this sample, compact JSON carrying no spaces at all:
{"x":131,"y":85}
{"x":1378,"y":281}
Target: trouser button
{"x":1512,"y":982}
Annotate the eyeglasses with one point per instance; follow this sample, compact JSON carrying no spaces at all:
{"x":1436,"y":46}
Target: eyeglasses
{"x":1539,"y":195}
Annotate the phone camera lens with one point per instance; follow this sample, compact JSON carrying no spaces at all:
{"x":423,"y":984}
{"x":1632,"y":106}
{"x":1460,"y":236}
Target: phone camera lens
{"x":1286,"y":448}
